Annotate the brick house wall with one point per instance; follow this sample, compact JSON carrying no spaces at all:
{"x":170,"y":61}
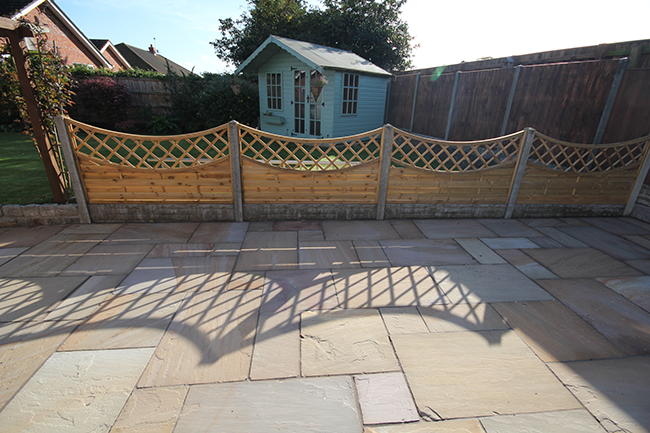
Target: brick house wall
{"x":118,"y":64}
{"x":71,"y":49}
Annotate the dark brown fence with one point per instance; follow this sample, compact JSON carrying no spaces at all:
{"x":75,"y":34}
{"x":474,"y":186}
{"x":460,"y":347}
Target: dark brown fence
{"x":581,"y":102}
{"x":148,"y":97}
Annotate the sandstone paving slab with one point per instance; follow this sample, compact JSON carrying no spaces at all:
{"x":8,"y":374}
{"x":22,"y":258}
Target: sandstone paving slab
{"x":403,"y":320}
{"x":358,"y":230}
{"x":617,"y":226}
{"x":318,"y":405}
{"x":33,"y":298}
{"x":263,"y":251}
{"x":24,"y":347}
{"x":159,"y":233}
{"x":18,"y":237}
{"x":86,"y":299}
{"x":277,"y":341}
{"x":561,"y":237}
{"x":385,"y":398}
{"x":615,"y":391}
{"x":526,"y":265}
{"x":543,"y":222}
{"x":179,"y":250}
{"x":246,"y":280}
{"x":486,"y":283}
{"x":386,"y":287}
{"x":371,"y":254}
{"x":509,"y":228}
{"x":574,"y":222}
{"x":546,"y":242}
{"x":636,"y":222}
{"x":461,"y":317}
{"x":125,"y":321}
{"x":480,"y":251}
{"x":568,"y":421}
{"x":79,"y":229}
{"x":7,"y":254}
{"x":297,"y":225}
{"x":201,"y":274}
{"x":450,"y":426}
{"x":150,"y":276}
{"x":643,"y":241}
{"x":640,"y":265}
{"x":345,"y":342}
{"x":151,"y":410}
{"x":608,"y":243}
{"x":310,"y":235}
{"x":76,"y":392}
{"x":261,"y":226}
{"x":509,"y":243}
{"x":622,"y":322}
{"x":554,"y":332}
{"x":407,"y":229}
{"x":470,"y":374}
{"x":50,"y":257}
{"x":109,"y":259}
{"x":581,"y":263}
{"x":225,"y":249}
{"x":413,"y":252}
{"x":209,"y":340}
{"x":636,"y":289}
{"x":213,"y":232}
{"x":453,"y":228}
{"x":327,"y":255}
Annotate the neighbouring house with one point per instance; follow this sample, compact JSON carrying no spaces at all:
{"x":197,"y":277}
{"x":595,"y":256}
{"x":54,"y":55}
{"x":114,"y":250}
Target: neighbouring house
{"x":70,"y":42}
{"x":309,"y":90}
{"x":149,"y":60}
{"x":108,"y":50}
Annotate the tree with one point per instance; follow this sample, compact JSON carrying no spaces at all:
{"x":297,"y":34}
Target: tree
{"x":372,"y":29}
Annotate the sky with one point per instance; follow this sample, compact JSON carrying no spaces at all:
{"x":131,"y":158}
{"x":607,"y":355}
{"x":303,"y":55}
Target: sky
{"x":447,"y":32}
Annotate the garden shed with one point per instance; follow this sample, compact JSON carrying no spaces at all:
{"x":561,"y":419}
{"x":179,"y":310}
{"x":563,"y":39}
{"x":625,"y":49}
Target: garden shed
{"x":309,"y":90}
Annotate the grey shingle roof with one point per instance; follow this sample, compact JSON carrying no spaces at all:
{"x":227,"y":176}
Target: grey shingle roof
{"x":145,"y":60}
{"x":318,"y":57}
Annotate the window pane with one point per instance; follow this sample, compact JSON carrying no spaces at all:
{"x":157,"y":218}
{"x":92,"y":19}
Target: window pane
{"x":356,"y":81}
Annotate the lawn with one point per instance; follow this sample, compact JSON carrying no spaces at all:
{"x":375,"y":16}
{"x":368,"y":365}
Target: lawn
{"x":22,"y":176}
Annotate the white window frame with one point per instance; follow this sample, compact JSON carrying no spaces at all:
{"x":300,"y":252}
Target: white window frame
{"x":350,"y":94}
{"x":270,"y":98}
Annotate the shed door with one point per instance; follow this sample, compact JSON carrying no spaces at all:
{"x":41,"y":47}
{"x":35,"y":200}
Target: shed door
{"x":307,"y":103}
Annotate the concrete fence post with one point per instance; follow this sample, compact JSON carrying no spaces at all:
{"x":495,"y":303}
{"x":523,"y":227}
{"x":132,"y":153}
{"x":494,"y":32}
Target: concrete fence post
{"x":235,"y":169}
{"x":638,"y":183}
{"x":452,"y":104}
{"x":386,"y":153}
{"x":415,"y":99}
{"x":71,"y":164}
{"x":520,"y":168}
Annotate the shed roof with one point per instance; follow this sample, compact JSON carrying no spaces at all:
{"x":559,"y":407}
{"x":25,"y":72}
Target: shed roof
{"x":318,"y":57}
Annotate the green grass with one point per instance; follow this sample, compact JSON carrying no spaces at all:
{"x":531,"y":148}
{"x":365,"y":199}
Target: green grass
{"x":22,"y":176}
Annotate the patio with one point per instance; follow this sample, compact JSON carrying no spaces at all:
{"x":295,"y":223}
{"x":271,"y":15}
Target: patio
{"x":394,"y":326}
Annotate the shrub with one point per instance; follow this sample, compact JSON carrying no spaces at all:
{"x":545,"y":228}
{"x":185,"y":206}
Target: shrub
{"x":101,"y":101}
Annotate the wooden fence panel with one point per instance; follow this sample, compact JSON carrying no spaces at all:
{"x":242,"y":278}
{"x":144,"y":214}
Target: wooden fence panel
{"x":111,"y":183}
{"x":541,"y":186}
{"x":411,"y":185}
{"x":432,"y":107}
{"x":401,"y":101}
{"x":481,"y":101}
{"x":630,"y":116}
{"x":263,"y":183}
{"x":563,"y":100}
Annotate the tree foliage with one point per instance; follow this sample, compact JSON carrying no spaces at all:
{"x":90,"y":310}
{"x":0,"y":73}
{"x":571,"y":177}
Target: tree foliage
{"x":372,"y":29}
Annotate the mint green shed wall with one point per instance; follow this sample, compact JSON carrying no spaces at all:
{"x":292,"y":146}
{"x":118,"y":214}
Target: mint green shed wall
{"x":370,"y":112}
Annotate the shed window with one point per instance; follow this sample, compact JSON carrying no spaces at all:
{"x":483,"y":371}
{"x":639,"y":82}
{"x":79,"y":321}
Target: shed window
{"x":350,"y":93}
{"x":274,"y":91}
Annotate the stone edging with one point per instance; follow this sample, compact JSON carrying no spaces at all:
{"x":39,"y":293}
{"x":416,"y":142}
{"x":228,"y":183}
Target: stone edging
{"x":38,"y":214}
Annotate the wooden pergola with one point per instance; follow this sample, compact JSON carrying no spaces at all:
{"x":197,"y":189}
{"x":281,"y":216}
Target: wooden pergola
{"x":12,"y":30}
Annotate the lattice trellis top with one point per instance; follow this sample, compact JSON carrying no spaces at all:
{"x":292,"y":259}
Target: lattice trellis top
{"x":310,"y":154}
{"x":559,"y":155}
{"x":412,"y":150}
{"x":147,"y":151}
